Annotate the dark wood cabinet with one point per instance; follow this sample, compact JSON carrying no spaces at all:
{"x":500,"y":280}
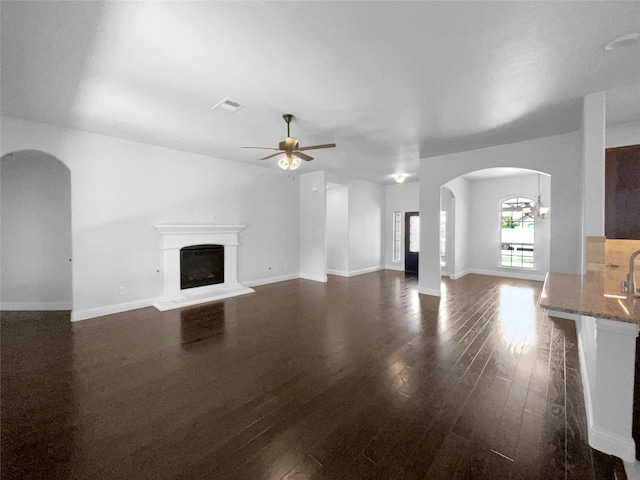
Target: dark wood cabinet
{"x":622,"y":193}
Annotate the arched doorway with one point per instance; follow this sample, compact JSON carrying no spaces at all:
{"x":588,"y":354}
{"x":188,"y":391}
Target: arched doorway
{"x":474,"y":238}
{"x":35,"y":207}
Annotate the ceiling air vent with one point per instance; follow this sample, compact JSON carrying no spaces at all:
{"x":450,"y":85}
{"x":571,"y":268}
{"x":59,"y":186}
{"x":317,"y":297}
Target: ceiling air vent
{"x":228,"y":105}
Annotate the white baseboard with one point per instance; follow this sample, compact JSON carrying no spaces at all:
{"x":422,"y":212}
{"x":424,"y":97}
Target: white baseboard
{"x":78,"y":315}
{"x":394,"y":266}
{"x":507,"y":273}
{"x":610,"y":443}
{"x":434,"y":292}
{"x":354,"y":273}
{"x":315,"y":278}
{"x":632,"y":469}
{"x":457,"y":275}
{"x":339,"y":273}
{"x":36,"y":306}
{"x":267,"y":281}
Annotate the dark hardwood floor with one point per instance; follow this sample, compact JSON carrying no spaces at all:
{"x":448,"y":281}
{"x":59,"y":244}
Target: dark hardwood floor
{"x":358,"y":378}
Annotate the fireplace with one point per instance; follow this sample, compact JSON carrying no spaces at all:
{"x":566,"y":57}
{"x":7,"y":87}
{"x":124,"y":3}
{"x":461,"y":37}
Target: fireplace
{"x":201,"y":265}
{"x":210,"y":256}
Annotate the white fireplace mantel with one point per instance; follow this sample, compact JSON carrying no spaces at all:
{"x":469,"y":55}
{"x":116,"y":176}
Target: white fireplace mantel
{"x":175,"y":237}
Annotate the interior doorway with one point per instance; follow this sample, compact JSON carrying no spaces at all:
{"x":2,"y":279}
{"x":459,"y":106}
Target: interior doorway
{"x":35,"y":206}
{"x":411,"y":241}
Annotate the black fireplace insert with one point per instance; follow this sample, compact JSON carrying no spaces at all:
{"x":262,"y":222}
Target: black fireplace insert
{"x":201,"y":265}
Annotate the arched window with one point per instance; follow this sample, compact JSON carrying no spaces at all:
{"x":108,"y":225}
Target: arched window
{"x":517,"y":232}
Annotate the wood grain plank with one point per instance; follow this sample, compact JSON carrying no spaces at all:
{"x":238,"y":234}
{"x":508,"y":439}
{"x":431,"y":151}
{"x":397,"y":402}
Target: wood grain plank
{"x":357,"y":378}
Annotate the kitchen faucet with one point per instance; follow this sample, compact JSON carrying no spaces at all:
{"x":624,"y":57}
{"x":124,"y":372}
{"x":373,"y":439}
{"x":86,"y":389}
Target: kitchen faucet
{"x":631,"y":281}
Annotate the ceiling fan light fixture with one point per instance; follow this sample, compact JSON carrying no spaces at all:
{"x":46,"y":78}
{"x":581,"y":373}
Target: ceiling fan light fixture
{"x":294,"y":154}
{"x":294,"y":162}
{"x":283,"y":163}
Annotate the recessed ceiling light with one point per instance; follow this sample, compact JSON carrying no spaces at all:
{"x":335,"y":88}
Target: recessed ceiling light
{"x":228,"y":105}
{"x":623,"y":40}
{"x":399,"y":177}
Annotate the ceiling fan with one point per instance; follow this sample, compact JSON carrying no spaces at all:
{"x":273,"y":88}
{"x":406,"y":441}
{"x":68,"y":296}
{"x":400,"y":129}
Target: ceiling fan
{"x":291,"y":149}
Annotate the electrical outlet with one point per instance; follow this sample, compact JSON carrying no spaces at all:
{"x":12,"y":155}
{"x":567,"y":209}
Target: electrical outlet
{"x":122,"y":290}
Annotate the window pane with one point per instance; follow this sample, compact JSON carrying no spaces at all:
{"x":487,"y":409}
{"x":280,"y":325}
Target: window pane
{"x":414,"y":234}
{"x":517,"y":233}
{"x":397,"y":235}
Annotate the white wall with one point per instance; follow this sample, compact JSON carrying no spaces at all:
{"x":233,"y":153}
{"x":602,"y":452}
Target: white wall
{"x":313,"y":257}
{"x":461,"y":235}
{"x":560,"y":156}
{"x":366,"y":211}
{"x":401,"y":197}
{"x":36,"y":232}
{"x":121,"y":189}
{"x":338,"y":231}
{"x":622,"y":135}
{"x":365,"y":217}
{"x":485,"y":219}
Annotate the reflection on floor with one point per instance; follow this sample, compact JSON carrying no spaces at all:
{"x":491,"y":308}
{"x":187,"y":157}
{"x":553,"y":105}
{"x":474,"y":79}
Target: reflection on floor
{"x":357,"y":378}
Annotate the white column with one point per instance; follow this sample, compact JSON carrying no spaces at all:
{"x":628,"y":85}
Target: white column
{"x":429,"y":264}
{"x":313,"y":207}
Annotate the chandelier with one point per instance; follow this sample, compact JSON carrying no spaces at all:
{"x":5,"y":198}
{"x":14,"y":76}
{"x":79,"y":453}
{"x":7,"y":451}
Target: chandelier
{"x":538,"y":209}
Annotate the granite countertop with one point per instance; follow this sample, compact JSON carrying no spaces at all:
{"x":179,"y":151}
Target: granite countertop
{"x":585,"y":295}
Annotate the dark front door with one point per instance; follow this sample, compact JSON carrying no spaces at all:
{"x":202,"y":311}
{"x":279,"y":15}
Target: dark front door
{"x":411,"y":241}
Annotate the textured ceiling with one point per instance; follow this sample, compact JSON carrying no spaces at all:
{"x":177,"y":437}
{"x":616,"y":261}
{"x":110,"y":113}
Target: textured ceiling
{"x":388,"y":82}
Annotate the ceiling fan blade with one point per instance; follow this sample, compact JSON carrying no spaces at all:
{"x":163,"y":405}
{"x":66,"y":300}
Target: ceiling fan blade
{"x":271,"y":156}
{"x":315,"y":147}
{"x":303,"y":156}
{"x":264,"y":148}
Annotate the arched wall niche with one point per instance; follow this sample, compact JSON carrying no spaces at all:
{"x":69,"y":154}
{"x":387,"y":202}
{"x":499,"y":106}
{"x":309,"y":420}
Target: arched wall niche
{"x":35,"y":207}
